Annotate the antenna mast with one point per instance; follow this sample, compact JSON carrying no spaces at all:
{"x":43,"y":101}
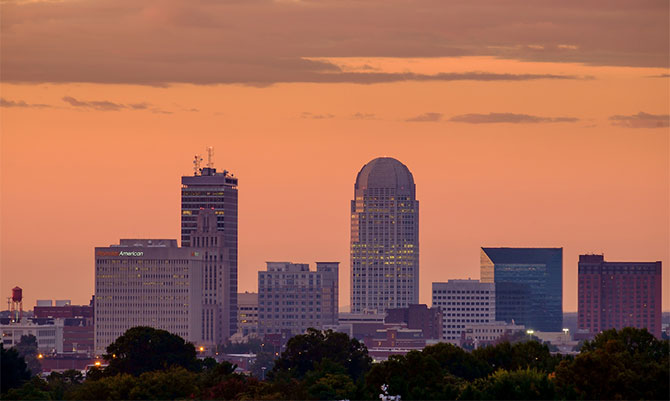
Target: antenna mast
{"x":196,"y":164}
{"x":210,"y":153}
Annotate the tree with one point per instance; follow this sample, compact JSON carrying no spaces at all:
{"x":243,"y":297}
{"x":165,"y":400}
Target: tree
{"x":27,"y":348}
{"x":145,"y":349}
{"x":521,"y":355}
{"x":14,"y":369}
{"x":626,"y":364}
{"x":521,"y":384}
{"x":304,"y":351}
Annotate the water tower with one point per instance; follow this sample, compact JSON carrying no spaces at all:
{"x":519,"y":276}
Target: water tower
{"x":17,"y":304}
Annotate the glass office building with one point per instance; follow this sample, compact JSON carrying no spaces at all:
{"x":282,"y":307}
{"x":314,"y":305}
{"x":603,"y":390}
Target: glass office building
{"x":537,"y":272}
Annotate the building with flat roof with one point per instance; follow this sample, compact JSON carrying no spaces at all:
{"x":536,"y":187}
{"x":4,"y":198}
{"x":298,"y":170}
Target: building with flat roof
{"x":418,"y":316}
{"x":48,"y":332}
{"x":540,"y":272}
{"x":463,"y":302}
{"x":148,"y":282}
{"x":291,"y":298}
{"x":208,"y":189}
{"x":614,"y":295}
{"x":247,"y":314}
{"x":384,"y":238}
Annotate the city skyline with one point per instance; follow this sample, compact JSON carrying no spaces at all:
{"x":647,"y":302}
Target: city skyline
{"x":523,"y":127}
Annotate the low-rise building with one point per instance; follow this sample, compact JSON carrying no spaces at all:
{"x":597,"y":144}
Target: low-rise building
{"x":49,"y":334}
{"x":482,"y":334}
{"x":463,"y":302}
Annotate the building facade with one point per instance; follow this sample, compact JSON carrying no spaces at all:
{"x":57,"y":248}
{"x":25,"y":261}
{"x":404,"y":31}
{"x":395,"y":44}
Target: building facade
{"x":208,"y":189}
{"x":463,"y":302}
{"x":540,"y":271}
{"x":291,"y":298}
{"x":247,"y":314}
{"x":614,"y":295}
{"x":49,"y":334}
{"x":147,"y":282}
{"x":418,"y":316}
{"x":384,"y":238}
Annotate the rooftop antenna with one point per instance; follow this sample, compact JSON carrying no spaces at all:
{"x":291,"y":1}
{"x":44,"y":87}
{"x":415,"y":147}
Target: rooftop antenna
{"x":210,"y":153}
{"x":196,"y":164}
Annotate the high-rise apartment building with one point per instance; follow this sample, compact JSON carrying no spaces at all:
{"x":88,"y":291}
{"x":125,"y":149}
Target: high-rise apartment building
{"x":208,"y":189}
{"x":540,"y":271}
{"x":384,"y":238}
{"x":618,"y":295}
{"x":147,"y":282}
{"x":463,"y":302}
{"x":291,"y":298}
{"x":247,"y":314}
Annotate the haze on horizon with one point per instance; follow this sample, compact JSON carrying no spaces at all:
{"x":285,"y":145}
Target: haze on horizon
{"x":523,"y":125}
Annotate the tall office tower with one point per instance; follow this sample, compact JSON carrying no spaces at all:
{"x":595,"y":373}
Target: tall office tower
{"x":540,"y":271}
{"x":619,"y":294}
{"x":463,"y":302}
{"x":147,"y":282}
{"x":291,"y":298}
{"x":218,"y":318}
{"x":384,"y":238}
{"x":217,"y":191}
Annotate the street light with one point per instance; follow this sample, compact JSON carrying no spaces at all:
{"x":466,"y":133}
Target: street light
{"x":202,"y":349}
{"x":263,"y":372}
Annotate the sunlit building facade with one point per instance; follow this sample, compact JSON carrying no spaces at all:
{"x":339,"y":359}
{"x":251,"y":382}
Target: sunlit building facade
{"x":384,"y":238}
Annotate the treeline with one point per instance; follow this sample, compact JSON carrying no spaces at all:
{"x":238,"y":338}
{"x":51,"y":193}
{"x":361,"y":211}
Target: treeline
{"x":146,"y":363}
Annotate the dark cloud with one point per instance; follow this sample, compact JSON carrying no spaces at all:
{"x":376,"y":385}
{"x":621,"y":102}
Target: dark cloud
{"x":101,"y":105}
{"x":363,"y":116}
{"x":261,"y":42}
{"x":21,"y":103}
{"x":313,"y":116}
{"x":513,"y":118}
{"x":106,"y":105}
{"x":641,"y":120}
{"x":426,"y":117}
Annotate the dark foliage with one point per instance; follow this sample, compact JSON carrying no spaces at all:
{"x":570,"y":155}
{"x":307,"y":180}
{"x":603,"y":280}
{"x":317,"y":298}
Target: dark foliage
{"x":14,"y":370}
{"x":145,"y":349}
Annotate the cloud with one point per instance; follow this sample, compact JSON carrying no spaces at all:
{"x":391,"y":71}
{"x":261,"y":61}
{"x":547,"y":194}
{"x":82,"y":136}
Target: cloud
{"x":101,"y":105}
{"x":493,"y":118}
{"x":261,"y":42}
{"x":22,"y":104}
{"x":106,"y":105}
{"x":363,"y":116}
{"x":426,"y":117}
{"x":307,"y":114}
{"x":641,"y":120}
{"x":659,"y":76}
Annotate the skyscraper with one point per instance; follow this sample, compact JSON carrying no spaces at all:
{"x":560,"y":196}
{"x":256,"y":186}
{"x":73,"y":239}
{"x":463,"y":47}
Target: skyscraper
{"x":384,"y":237}
{"x":540,"y":271}
{"x":619,"y":294}
{"x":208,"y":189}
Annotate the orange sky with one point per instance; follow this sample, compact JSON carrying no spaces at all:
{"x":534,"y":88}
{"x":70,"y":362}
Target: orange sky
{"x":507,"y":149}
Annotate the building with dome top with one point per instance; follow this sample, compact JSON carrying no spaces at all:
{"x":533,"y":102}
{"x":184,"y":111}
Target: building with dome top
{"x":384,"y":238}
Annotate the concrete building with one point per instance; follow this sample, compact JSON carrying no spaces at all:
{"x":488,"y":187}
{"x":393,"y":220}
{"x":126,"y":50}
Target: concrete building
{"x":477,"y":335}
{"x":384,"y":238}
{"x":463,"y":302}
{"x":540,"y":270}
{"x":247,"y":314}
{"x":78,"y":328}
{"x":619,"y":294}
{"x":148,"y":282}
{"x":49,"y":334}
{"x":291,"y":298}
{"x":421,"y":317}
{"x":218,"y":318}
{"x":208,"y":189}
{"x":358,"y":325}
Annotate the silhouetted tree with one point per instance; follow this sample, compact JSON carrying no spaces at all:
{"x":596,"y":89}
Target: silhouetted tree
{"x":145,"y":349}
{"x":626,"y":364}
{"x":27,"y":348}
{"x":14,"y":370}
{"x":521,"y":384}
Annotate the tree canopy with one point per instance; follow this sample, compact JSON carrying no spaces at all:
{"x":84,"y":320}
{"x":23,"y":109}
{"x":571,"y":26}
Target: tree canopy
{"x":145,"y":349}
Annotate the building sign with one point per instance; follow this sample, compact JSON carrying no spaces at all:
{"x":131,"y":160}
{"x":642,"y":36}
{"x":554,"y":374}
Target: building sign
{"x":120,"y":253}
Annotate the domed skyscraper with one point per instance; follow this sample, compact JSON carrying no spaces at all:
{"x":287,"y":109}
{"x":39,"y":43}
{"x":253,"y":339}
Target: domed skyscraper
{"x":384,"y":237}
